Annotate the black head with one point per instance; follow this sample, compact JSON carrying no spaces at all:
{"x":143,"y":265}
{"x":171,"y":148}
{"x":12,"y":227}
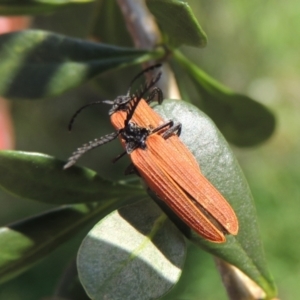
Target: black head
{"x":120,"y":103}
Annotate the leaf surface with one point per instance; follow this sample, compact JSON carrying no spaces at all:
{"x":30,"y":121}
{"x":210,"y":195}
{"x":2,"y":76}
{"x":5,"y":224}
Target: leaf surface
{"x":242,"y":120}
{"x":33,"y":7}
{"x":178,"y":22}
{"x":133,"y":253}
{"x":37,"y":64}
{"x":41,"y":177}
{"x":24,"y":243}
{"x":220,"y":167}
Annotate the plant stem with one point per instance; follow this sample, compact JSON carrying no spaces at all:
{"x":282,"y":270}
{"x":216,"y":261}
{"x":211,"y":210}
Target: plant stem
{"x":145,"y":34}
{"x":237,"y":284}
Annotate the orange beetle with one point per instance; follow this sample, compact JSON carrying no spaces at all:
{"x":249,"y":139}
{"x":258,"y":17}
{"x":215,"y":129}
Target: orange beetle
{"x":168,"y":168}
{"x":172,"y":173}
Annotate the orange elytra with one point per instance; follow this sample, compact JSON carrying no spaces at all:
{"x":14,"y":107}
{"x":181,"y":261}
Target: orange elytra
{"x":168,"y":168}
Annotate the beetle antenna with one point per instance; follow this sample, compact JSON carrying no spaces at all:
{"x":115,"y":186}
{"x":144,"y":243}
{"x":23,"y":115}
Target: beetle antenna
{"x":70,"y":126}
{"x":78,"y":112}
{"x":89,"y":146}
{"x":146,"y":88}
{"x":140,"y":74}
{"x":136,"y":98}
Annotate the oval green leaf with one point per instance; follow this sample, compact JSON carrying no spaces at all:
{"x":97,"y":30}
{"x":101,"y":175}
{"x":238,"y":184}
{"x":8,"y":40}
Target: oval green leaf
{"x":24,"y":243}
{"x":219,"y":165}
{"x":37,"y":64}
{"x":178,"y":22}
{"x":42,"y":178}
{"x":134,"y":253}
{"x":33,"y":7}
{"x":243,"y":121}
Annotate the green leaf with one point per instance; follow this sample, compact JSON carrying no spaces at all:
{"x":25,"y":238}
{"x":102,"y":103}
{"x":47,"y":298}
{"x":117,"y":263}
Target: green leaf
{"x":178,"y":22}
{"x":42,"y":178}
{"x":219,"y":165}
{"x":37,"y":64}
{"x":108,"y":25}
{"x":24,"y":243}
{"x":69,"y":285}
{"x":32,"y":7}
{"x":134,"y":253}
{"x":243,"y":121}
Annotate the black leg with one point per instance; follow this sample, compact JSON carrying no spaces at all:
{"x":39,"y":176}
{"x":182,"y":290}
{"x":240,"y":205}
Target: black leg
{"x":119,"y":156}
{"x":156,"y":92}
{"x":131,"y":169}
{"x":173,"y":129}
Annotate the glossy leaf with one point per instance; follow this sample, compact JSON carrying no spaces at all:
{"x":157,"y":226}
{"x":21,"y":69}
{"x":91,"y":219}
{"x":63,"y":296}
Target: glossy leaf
{"x":24,"y":243}
{"x":243,"y":121}
{"x":42,"y":178}
{"x":178,"y":22}
{"x":32,"y":7}
{"x":219,"y":165}
{"x":134,"y":253}
{"x":37,"y":64}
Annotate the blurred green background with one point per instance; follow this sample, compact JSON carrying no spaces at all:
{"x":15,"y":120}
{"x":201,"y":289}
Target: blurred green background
{"x":253,"y":47}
